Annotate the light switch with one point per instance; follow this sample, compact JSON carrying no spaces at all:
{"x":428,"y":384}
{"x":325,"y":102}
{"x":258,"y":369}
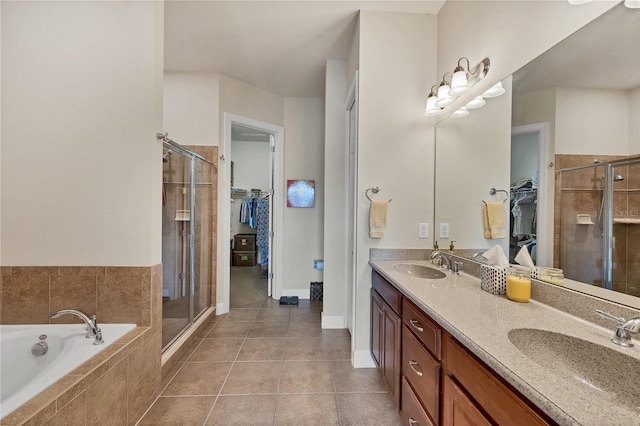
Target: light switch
{"x":423,"y":230}
{"x":444,"y":230}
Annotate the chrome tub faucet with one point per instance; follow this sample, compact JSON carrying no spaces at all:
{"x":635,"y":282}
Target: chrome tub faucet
{"x":93,"y":331}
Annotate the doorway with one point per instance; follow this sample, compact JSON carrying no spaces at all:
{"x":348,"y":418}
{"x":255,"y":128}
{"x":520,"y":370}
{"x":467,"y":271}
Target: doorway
{"x":250,"y":220}
{"x":530,"y":218}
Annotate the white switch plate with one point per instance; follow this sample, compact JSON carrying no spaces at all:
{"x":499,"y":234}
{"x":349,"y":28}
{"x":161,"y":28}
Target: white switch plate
{"x":423,"y":230}
{"x":444,"y":230}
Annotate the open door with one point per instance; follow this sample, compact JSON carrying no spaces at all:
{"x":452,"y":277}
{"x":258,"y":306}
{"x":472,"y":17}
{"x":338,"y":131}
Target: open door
{"x":272,"y":156}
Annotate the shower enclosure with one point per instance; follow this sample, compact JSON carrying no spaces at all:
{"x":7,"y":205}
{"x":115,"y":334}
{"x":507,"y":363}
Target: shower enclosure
{"x":187,"y":238}
{"x":598,"y":210}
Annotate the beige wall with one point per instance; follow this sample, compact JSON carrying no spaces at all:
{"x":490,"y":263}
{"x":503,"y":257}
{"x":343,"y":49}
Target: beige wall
{"x":395,"y":141}
{"x":81,"y":97}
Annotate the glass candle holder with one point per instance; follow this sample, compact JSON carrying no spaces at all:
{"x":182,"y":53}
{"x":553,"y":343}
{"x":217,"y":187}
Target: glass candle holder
{"x":551,"y":275}
{"x":519,"y":283}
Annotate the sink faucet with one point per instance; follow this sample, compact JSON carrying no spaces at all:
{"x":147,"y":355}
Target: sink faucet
{"x":622,"y":334}
{"x":440,"y":256}
{"x":93,"y":331}
{"x":479,"y":255}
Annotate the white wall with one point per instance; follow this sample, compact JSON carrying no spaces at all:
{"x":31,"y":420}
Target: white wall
{"x":81,"y":104}
{"x":191,"y":107}
{"x":524,"y":156}
{"x":335,"y":210}
{"x":395,"y":142}
{"x":303,"y":233}
{"x":634,"y":122}
{"x":592,"y":121}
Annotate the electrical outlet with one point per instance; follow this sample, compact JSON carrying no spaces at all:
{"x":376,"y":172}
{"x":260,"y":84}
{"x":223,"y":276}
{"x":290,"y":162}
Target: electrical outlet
{"x":423,"y":230}
{"x":444,"y":230}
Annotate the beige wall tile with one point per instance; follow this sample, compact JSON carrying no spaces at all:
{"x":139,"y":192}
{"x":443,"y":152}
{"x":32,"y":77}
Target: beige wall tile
{"x":82,"y":270}
{"x":120,"y":298}
{"x":73,"y":414}
{"x":35,"y":270}
{"x":143,"y":375}
{"x":25,"y":299}
{"x":73,"y":292}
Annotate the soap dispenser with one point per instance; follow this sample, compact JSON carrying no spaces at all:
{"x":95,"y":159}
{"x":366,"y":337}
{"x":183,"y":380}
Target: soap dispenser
{"x":435,"y":246}
{"x":451,"y":246}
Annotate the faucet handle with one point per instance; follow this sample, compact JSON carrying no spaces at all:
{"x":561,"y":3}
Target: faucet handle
{"x":610,"y":316}
{"x":455,"y":267}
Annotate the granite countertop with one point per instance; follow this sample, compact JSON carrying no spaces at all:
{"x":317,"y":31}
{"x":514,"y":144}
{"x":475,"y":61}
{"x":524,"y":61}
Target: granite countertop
{"x":481,"y":321}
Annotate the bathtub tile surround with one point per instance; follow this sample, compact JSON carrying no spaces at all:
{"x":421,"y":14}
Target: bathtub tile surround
{"x":117,"y":385}
{"x":115,"y":294}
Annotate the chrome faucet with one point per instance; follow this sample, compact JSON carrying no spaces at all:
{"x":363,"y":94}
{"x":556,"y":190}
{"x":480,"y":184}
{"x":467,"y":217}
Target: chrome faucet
{"x":440,"y":256}
{"x":622,"y":335}
{"x":479,"y":255}
{"x":93,"y":331}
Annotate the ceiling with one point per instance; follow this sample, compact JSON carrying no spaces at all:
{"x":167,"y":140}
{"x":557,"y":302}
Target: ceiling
{"x":603,"y":54}
{"x":278,"y":46}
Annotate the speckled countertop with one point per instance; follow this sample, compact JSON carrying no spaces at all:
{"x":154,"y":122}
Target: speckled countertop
{"x":481,"y":321}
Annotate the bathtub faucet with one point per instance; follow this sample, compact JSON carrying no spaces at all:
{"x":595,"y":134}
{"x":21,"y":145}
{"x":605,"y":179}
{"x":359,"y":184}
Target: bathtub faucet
{"x":93,"y":331}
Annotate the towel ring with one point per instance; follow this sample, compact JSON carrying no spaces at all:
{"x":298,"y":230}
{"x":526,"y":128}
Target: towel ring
{"x":375,"y":190}
{"x":493,"y":191}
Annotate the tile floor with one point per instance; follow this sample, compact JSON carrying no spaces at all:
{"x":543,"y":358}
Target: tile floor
{"x":267,"y":364}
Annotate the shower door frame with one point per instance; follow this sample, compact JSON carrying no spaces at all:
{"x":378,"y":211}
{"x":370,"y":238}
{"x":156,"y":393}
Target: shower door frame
{"x":192,"y":157}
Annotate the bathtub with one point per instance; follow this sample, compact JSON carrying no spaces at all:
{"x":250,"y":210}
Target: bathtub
{"x":23,"y":375}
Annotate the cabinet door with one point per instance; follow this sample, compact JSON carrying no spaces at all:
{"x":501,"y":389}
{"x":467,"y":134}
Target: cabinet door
{"x":391,"y":352}
{"x":458,"y":410}
{"x":376,"y":327}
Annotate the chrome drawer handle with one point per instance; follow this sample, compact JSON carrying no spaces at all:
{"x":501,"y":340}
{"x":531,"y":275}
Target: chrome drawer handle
{"x":417,"y":327}
{"x":411,"y":364}
{"x":412,"y":421}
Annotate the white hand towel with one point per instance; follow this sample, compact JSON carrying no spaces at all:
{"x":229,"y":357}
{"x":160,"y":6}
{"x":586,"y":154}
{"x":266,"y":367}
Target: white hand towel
{"x":495,"y":217}
{"x":377,"y":218}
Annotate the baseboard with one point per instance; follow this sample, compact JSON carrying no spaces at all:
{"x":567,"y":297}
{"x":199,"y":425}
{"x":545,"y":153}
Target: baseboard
{"x":303,"y":293}
{"x":220,"y":309}
{"x":363,"y":359}
{"x":333,"y":321}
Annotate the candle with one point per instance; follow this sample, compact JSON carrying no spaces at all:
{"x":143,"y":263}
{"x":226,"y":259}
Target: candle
{"x":518,"y":284}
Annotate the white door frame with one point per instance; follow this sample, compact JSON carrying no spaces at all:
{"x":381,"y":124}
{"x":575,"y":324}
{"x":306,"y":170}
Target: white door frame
{"x":546,"y":190}
{"x":351,"y":173}
{"x":224,"y":209}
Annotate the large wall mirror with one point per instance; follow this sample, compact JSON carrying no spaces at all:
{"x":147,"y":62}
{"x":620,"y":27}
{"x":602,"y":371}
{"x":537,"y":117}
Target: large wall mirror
{"x":561,"y":142}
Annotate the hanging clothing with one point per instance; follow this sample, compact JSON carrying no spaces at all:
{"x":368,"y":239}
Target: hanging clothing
{"x":262,"y":237}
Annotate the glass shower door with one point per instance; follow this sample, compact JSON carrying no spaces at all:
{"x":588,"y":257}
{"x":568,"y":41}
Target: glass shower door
{"x":203,"y":236}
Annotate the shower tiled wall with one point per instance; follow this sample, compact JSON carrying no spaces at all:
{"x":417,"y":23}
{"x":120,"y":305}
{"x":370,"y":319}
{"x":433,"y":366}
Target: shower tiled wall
{"x":578,"y":248}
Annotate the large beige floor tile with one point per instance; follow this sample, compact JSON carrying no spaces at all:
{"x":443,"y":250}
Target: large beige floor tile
{"x":229,"y":329}
{"x":184,"y":411}
{"x":240,"y":315}
{"x":268,"y":329}
{"x":243,"y":410}
{"x":199,"y":378}
{"x":253,"y":378}
{"x":307,"y":410}
{"x":306,"y":349}
{"x":306,"y":377}
{"x":273,"y":314}
{"x":271,"y":349}
{"x":212,"y":350}
{"x":349,"y":379}
{"x":367,"y":409}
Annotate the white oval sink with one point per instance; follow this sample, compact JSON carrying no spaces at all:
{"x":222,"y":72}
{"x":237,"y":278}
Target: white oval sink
{"x":591,"y":364}
{"x":419,"y":271}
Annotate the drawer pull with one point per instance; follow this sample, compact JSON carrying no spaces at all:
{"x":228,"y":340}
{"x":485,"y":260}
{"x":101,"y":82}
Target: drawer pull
{"x":412,"y":421}
{"x":411,"y":364}
{"x":415,"y":325}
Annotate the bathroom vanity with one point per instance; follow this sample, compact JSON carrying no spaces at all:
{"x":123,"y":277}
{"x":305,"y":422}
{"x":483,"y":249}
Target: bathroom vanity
{"x":452,"y":354}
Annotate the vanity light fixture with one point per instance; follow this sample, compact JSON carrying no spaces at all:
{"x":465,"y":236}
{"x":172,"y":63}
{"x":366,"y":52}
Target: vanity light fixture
{"x":432,"y":110}
{"x":495,"y":90}
{"x":476,"y":103}
{"x":444,"y":97}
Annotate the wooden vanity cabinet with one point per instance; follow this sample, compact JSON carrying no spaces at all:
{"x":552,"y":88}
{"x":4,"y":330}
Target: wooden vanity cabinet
{"x":385,"y":333}
{"x":468,"y":379}
{"x":421,"y":355}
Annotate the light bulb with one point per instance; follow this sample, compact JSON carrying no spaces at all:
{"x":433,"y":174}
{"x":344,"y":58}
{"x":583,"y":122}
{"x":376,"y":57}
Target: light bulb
{"x":432,"y":110}
{"x":462,"y":112}
{"x":459,"y":83}
{"x":494,"y":91}
{"x":476,"y":103}
{"x":444,"y":99}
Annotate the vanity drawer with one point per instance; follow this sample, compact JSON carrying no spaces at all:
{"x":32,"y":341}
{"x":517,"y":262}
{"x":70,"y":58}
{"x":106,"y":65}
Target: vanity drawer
{"x":411,"y":411}
{"x":422,"y":372}
{"x":425,"y":329}
{"x":503,"y":405}
{"x":388,"y":292}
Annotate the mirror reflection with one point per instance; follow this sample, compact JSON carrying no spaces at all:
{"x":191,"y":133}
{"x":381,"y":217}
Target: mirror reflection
{"x":559,"y":141}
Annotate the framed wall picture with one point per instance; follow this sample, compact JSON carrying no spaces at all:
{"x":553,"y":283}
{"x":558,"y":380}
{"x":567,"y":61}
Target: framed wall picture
{"x":301,"y":193}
